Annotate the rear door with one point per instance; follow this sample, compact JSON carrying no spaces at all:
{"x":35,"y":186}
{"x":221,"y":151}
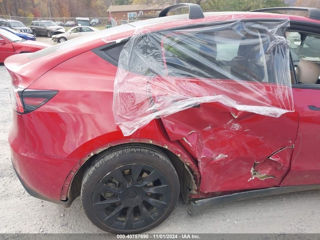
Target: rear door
{"x":42,"y":29}
{"x":305,"y":49}
{"x":74,"y":33}
{"x":235,"y":150}
{"x":32,"y":26}
{"x":35,"y":28}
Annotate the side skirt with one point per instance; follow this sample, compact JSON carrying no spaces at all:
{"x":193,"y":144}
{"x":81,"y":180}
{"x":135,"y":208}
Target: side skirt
{"x":198,"y":205}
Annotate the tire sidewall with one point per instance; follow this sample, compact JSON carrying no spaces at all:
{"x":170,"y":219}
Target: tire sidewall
{"x":116,"y":159}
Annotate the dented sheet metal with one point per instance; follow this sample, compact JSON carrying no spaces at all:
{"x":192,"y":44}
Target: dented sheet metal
{"x":242,"y":64}
{"x":223,"y":91}
{"x":248,"y":152}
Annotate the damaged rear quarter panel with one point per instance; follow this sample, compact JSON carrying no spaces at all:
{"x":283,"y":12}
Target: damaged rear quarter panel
{"x":235,"y":150}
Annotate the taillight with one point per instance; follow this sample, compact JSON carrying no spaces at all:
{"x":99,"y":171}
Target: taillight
{"x":28,"y":100}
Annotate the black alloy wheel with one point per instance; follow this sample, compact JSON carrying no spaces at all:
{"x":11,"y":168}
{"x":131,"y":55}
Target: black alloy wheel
{"x":135,"y":195}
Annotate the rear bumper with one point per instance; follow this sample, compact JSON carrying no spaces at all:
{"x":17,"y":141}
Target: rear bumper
{"x":39,"y":177}
{"x":34,"y":193}
{"x":29,"y":190}
{"x":43,"y":174}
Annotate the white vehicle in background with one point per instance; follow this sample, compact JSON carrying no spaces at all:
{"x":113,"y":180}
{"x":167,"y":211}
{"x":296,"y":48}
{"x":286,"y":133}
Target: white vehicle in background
{"x":70,"y":24}
{"x":82,"y":21}
{"x":74,"y":32}
{"x":94,"y":21}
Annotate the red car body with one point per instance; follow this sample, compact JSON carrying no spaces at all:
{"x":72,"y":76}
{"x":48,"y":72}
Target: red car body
{"x":9,"y":47}
{"x":51,"y":144}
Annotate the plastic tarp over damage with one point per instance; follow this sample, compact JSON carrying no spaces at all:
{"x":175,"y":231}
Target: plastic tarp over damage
{"x":243,"y":64}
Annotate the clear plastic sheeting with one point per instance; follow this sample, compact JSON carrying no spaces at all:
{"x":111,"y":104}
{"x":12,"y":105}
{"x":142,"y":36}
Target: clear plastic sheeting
{"x":243,"y":65}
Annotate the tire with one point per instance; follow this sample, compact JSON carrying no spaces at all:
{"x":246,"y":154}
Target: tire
{"x":61,"y":40}
{"x":130,"y":190}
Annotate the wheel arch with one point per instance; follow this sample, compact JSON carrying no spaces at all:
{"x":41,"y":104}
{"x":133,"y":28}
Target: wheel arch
{"x":63,"y":37}
{"x":189,"y":177}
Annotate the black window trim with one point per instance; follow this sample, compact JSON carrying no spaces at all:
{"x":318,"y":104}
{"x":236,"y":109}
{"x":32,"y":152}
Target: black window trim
{"x":306,"y":86}
{"x":100,"y":51}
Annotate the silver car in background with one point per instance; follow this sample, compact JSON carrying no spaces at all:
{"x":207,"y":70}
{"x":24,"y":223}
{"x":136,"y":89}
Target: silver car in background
{"x":74,"y":32}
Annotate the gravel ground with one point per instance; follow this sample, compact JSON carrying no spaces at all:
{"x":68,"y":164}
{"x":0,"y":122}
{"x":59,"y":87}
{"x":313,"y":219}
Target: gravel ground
{"x":21,"y":213}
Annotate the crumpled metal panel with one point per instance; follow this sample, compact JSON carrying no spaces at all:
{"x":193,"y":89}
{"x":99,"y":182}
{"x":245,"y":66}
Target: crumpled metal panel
{"x":235,"y":150}
{"x":222,"y":90}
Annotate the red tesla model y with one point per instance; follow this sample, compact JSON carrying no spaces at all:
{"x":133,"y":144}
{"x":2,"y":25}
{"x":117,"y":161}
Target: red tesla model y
{"x":71,"y":137}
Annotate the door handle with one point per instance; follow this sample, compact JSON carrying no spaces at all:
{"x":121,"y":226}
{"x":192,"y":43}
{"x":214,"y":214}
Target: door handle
{"x":314,"y":108}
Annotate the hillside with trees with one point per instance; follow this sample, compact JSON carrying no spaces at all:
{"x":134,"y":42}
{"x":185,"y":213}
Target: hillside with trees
{"x":54,"y":8}
{"x":98,"y":8}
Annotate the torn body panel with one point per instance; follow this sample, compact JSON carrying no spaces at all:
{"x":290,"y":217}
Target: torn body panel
{"x":273,"y":166}
{"x":222,"y":90}
{"x":229,"y":150}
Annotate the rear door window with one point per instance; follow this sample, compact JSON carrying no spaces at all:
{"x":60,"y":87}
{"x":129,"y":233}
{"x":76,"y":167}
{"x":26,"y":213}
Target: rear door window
{"x":86,"y":29}
{"x":75,"y":30}
{"x":221,"y":54}
{"x":305,"y":54}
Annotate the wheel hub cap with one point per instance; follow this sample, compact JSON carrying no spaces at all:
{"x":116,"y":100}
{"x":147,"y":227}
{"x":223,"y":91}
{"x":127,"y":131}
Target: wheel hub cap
{"x":131,"y":196}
